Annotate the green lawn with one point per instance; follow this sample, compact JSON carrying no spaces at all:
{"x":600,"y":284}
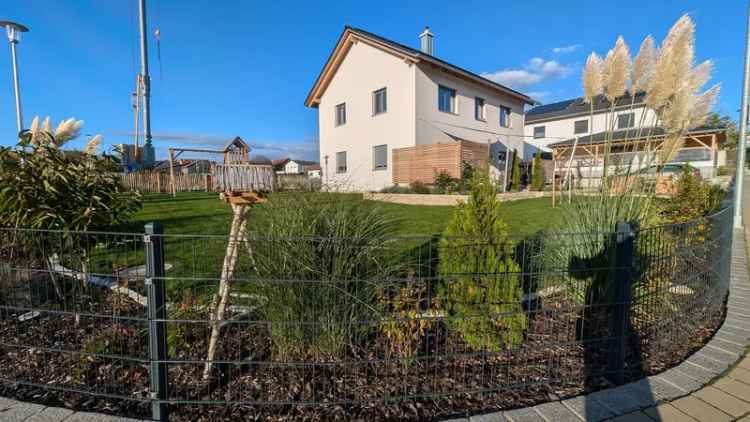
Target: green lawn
{"x":204,"y":214}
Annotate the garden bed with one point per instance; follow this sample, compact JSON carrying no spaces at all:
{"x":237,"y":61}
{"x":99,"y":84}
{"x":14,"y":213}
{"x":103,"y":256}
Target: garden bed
{"x":366,"y":385}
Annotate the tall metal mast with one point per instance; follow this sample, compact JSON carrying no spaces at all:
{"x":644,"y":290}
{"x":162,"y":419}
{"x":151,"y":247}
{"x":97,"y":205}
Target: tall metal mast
{"x":145,"y":78}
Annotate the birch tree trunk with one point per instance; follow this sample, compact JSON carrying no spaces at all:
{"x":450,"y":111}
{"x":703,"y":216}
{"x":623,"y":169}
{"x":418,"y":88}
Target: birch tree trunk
{"x":219,"y":302}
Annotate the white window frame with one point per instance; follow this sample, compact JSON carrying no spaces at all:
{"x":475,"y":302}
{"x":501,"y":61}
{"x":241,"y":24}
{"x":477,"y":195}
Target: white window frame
{"x":454,"y":102}
{"x":338,"y":165}
{"x":544,"y":132}
{"x":338,"y":122}
{"x":575,"y":131}
{"x":482,"y":115}
{"x":375,"y":94}
{"x":374,"y":165}
{"x":508,"y":114}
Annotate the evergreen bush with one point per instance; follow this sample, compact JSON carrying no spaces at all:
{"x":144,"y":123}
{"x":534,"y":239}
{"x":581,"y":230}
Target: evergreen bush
{"x":537,"y":173}
{"x":480,"y":291}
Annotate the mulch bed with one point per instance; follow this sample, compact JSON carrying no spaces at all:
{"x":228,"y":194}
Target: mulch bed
{"x":549,"y":365}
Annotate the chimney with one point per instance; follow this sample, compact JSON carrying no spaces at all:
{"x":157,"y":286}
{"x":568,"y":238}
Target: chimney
{"x":426,"y":41}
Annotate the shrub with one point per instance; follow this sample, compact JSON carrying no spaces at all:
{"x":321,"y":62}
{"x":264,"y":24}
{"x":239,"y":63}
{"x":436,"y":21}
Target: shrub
{"x":407,"y":325}
{"x":44,"y":189}
{"x":395,"y":189}
{"x":537,"y":173}
{"x":318,"y":260}
{"x":480,"y":291}
{"x":694,"y":198}
{"x":444,"y":183}
{"x":420,"y":188}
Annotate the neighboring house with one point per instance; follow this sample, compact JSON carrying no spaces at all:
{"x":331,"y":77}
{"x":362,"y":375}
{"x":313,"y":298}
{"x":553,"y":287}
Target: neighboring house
{"x":298,"y":166}
{"x":551,"y":123}
{"x":555,"y":127}
{"x":389,"y":113}
{"x":314,"y":171}
{"x":280,"y":164}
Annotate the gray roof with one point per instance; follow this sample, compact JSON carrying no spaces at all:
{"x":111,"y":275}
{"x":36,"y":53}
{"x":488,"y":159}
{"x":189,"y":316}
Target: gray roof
{"x":416,"y":53}
{"x":577,"y":106}
{"x":630,"y":134}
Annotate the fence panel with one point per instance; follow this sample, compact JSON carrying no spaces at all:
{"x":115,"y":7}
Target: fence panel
{"x":349,"y":328}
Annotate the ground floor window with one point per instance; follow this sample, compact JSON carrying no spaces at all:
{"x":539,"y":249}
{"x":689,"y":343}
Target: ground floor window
{"x":341,"y":162}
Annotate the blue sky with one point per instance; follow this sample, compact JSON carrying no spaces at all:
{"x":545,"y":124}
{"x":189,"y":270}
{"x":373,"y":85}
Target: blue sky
{"x":244,"y":67}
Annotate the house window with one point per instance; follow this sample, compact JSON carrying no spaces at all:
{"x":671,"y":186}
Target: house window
{"x":446,"y":99}
{"x":380,"y":157}
{"x":379,"y":101}
{"x":341,"y":114}
{"x":479,"y":108}
{"x":539,"y":132}
{"x":504,"y":116}
{"x":625,"y":120}
{"x":580,"y":126}
{"x":341,"y":162}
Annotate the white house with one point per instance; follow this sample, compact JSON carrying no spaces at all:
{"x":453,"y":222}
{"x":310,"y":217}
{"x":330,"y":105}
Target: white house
{"x":297,"y":166}
{"x":314,"y":171}
{"x":555,"y":128}
{"x":383,"y":106}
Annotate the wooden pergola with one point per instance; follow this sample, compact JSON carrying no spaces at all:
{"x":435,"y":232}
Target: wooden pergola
{"x":623,"y":144}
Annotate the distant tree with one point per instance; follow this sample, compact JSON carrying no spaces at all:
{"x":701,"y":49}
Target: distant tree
{"x":715,"y":120}
{"x":537,"y":173}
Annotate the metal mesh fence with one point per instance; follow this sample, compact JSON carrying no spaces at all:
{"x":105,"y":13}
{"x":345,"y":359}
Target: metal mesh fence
{"x":446,"y":323}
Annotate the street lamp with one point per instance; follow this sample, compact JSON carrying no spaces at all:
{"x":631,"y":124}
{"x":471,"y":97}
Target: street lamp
{"x":14,"y":35}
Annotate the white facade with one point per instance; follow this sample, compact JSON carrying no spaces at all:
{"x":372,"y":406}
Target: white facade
{"x":313,"y":174}
{"x":563,"y":128}
{"x":412,"y":116}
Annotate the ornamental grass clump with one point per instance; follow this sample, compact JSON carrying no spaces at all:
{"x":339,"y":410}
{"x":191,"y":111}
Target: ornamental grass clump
{"x":481,"y":291}
{"x":319,"y":262}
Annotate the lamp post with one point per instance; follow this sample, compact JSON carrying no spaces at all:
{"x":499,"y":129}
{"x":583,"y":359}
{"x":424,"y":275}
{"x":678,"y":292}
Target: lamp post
{"x":14,"y":35}
{"x":742,"y":142}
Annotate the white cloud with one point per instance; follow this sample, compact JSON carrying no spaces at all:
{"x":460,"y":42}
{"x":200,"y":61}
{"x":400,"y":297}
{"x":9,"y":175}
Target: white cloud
{"x":535,"y":71}
{"x":567,"y":49}
{"x":539,"y":95}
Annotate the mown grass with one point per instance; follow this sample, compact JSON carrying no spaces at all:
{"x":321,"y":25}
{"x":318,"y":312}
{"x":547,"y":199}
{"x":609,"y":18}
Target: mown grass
{"x":204,"y":214}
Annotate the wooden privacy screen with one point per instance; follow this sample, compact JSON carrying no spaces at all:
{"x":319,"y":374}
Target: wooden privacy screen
{"x":243,"y":178}
{"x":155,"y":182}
{"x":422,"y":163}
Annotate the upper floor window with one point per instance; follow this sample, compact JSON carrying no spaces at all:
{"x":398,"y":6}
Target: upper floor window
{"x":380,"y":157}
{"x":446,"y":99}
{"x":379,"y":101}
{"x":625,"y":120}
{"x":540,"y":132}
{"x":341,"y":162}
{"x":340,"y":114}
{"x":580,"y":126}
{"x":479,"y":108}
{"x":504,"y":116}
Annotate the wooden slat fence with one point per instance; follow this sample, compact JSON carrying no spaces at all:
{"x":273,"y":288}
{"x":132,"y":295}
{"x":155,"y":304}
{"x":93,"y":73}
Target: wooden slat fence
{"x":155,"y":182}
{"x":422,"y":163}
{"x":243,"y":178}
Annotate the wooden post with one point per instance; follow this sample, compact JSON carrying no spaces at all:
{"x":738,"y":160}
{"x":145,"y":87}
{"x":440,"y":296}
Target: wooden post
{"x":171,"y":172}
{"x":237,"y":233}
{"x":554,"y":180}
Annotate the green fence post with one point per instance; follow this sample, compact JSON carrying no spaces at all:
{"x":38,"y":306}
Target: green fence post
{"x":157,"y":313}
